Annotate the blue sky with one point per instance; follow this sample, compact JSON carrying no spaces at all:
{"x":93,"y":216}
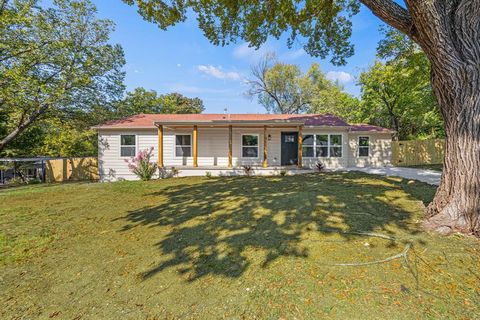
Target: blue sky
{"x":182,"y":60}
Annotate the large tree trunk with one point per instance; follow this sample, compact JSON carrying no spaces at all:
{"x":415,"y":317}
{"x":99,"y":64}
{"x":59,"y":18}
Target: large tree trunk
{"x":456,"y":205}
{"x":450,"y":36}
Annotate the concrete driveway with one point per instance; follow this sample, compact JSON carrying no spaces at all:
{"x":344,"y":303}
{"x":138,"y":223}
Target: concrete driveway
{"x":424,"y":175}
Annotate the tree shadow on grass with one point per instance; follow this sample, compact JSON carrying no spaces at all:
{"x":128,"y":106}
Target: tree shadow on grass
{"x":211,"y":225}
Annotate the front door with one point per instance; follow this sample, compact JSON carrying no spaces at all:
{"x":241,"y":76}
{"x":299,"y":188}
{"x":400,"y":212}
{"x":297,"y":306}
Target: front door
{"x":289,"y":148}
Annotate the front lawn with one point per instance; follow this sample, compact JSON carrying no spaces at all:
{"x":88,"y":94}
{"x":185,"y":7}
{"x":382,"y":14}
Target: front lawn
{"x":244,"y":248}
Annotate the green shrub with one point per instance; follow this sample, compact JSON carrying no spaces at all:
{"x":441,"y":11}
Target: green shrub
{"x":142,"y":166}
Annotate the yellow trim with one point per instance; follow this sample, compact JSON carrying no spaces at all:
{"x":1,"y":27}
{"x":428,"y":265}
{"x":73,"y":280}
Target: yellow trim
{"x":265,"y":154}
{"x":230,"y":146}
{"x":160,"y":146}
{"x":195,"y":146}
{"x":300,"y":149}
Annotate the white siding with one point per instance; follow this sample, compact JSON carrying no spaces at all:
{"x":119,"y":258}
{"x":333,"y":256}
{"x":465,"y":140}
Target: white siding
{"x":111,"y":165}
{"x":380,"y":150}
{"x":213,"y":149}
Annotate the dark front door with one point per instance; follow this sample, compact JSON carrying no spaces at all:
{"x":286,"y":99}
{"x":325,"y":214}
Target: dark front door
{"x":289,"y":148}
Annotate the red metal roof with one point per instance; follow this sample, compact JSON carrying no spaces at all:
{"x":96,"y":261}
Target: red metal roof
{"x":149,"y":120}
{"x":369,"y":128}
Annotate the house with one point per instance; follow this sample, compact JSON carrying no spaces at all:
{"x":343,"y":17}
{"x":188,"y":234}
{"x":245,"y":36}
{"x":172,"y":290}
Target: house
{"x":223,"y":143}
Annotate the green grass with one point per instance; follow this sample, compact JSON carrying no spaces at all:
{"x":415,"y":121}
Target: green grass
{"x":243,"y":248}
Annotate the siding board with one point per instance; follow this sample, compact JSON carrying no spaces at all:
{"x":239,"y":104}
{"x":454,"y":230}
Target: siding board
{"x":213,"y":149}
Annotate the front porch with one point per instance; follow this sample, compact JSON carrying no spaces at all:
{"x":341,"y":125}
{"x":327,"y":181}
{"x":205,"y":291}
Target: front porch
{"x":225,"y":149}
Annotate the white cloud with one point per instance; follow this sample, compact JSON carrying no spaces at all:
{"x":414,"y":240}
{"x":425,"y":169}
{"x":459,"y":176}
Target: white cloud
{"x":218,"y":73}
{"x":340,"y":76}
{"x":243,"y":51}
{"x":179,"y":65}
{"x":292,"y":55}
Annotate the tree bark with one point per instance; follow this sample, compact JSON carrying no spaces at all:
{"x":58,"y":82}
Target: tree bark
{"x":22,"y":126}
{"x":456,"y":205}
{"x":449,"y":34}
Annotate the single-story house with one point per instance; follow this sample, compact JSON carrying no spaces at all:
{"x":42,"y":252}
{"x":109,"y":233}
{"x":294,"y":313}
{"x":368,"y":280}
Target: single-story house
{"x":223,"y":143}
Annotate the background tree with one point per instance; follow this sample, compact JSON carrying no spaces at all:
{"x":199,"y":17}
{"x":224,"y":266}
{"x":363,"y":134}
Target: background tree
{"x":396,"y":92}
{"x":177,"y":103}
{"x":279,"y":87}
{"x":143,"y":101}
{"x":329,"y":97}
{"x":447,"y":31}
{"x":284,"y":88}
{"x":54,"y":62}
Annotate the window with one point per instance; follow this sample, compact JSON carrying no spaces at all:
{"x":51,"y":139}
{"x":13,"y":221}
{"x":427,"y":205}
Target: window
{"x":308,"y":145}
{"x":335,"y":145}
{"x":249,"y":146}
{"x":363,"y":146}
{"x":322,"y":145}
{"x":127,"y":145}
{"x":183,"y":145}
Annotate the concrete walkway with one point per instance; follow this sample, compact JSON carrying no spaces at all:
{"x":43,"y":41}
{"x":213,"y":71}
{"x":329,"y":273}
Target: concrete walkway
{"x":424,"y":175}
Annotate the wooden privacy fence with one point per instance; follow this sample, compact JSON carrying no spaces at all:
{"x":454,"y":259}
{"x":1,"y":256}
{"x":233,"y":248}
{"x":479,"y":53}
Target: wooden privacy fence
{"x":71,"y":169}
{"x":417,"y":152}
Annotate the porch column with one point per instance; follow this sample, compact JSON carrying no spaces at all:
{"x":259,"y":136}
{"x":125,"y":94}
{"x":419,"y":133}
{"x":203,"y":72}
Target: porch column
{"x":230,"y":138}
{"x":265,"y":154}
{"x":160,"y":146}
{"x":300,"y":149}
{"x":195,"y":146}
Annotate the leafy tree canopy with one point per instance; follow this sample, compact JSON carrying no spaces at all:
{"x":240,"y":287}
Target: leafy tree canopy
{"x":323,"y":24}
{"x":54,"y":62}
{"x":284,"y":88}
{"x":143,"y":101}
{"x":396,"y":90}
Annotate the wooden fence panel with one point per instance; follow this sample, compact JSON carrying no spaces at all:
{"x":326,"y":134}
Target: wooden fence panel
{"x":418,"y":152}
{"x":71,"y":169}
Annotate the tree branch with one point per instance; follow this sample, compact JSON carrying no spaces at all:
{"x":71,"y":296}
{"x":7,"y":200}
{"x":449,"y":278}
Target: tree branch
{"x":394,"y":15}
{"x":23,"y":125}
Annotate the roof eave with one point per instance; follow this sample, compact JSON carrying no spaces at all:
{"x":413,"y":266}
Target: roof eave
{"x":121,"y":127}
{"x":229,"y":122}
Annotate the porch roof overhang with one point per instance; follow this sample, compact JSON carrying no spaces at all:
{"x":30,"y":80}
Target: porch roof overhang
{"x":223,"y":123}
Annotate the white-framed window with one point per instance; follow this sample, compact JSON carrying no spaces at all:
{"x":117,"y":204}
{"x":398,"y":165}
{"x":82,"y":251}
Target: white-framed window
{"x":363,"y":146}
{"x":183,"y":145}
{"x":128,"y":145}
{"x":308,"y":145}
{"x":322,"y":145}
{"x":336,"y":146}
{"x":250,"y":145}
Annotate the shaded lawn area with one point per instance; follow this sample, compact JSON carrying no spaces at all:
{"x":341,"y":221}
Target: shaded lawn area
{"x":259,"y":247}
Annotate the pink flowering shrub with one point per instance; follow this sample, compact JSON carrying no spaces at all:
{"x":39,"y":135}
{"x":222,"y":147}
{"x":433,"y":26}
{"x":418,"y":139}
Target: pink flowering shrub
{"x":141,"y":165}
